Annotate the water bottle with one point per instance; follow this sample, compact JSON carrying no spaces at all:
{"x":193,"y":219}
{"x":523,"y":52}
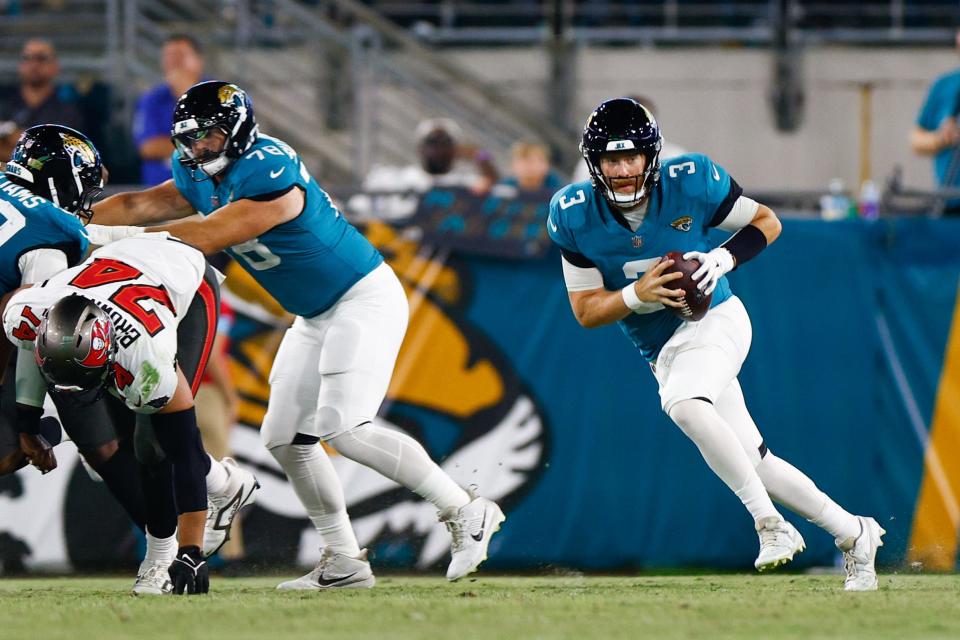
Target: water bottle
{"x":869,"y":204}
{"x":834,"y":205}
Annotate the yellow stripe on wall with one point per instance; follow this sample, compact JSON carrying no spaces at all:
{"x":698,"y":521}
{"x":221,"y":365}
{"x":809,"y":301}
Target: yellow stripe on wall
{"x":933,"y":540}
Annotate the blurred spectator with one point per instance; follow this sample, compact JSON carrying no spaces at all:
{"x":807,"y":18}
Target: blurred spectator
{"x":181,"y":61}
{"x":530,"y":168}
{"x":936,"y":132}
{"x":667,"y":151}
{"x":445,"y":160}
{"x":38,"y":99}
{"x":9,"y":132}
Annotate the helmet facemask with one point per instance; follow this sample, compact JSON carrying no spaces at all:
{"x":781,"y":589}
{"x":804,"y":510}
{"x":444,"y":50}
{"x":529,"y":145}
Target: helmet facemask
{"x":644,"y":182}
{"x":207,"y":162}
{"x":90,"y":183}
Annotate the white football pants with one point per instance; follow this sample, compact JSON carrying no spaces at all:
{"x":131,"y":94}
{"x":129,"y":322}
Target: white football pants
{"x":697,"y":372}
{"x":351,"y":348}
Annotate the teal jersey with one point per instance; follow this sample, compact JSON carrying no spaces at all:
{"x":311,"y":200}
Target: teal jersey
{"x":943,"y":101}
{"x":692,"y":195}
{"x":307,"y":263}
{"x":29,"y":222}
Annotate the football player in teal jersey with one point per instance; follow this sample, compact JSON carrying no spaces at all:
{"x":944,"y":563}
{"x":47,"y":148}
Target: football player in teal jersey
{"x":259,"y":203}
{"x":51,"y":179}
{"x":612,"y":232}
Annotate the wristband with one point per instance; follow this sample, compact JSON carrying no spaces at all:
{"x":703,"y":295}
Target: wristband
{"x":745,"y":244}
{"x":635,"y":304}
{"x":28,"y":419}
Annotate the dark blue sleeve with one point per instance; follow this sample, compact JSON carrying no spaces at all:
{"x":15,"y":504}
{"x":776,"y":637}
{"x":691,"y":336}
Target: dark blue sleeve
{"x":151,"y":118}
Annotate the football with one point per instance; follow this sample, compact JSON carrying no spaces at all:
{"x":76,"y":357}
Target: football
{"x":696,"y":301}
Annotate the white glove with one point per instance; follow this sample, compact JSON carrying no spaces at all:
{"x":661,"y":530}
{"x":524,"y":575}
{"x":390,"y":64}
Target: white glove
{"x":713,"y":266}
{"x":101,"y":235}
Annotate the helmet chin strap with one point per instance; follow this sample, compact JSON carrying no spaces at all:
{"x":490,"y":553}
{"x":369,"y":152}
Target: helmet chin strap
{"x":54,"y":198}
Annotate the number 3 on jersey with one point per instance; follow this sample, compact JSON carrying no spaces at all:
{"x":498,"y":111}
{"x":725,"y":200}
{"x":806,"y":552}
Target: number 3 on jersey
{"x":577,"y":198}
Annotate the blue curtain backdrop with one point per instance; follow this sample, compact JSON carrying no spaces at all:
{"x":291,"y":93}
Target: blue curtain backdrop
{"x":850,"y":321}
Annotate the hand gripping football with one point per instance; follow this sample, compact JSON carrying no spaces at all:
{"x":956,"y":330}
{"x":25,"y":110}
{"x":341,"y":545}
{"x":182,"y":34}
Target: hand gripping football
{"x":696,"y":302}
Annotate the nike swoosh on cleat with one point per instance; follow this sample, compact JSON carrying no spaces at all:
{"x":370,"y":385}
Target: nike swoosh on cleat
{"x":483,"y":525}
{"x":323,"y":582}
{"x":221,"y":525}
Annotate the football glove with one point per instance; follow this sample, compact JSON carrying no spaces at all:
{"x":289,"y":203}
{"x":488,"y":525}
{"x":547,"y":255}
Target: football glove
{"x":713,"y":266}
{"x":189,"y":572}
{"x":38,"y":451}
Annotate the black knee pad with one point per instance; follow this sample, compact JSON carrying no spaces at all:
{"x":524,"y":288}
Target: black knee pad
{"x":180,"y":440}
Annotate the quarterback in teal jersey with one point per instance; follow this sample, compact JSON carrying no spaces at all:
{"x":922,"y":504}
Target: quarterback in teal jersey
{"x":258,"y":201}
{"x":612,"y":232}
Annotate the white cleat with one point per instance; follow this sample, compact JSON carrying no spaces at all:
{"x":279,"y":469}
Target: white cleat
{"x":859,"y":555}
{"x":779,"y":542}
{"x":223,"y":508}
{"x":335,"y":571}
{"x":471,"y":527}
{"x":153,"y":579}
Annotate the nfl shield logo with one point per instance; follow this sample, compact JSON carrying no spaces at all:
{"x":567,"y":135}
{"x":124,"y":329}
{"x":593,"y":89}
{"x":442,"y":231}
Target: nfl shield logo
{"x":637,"y":242}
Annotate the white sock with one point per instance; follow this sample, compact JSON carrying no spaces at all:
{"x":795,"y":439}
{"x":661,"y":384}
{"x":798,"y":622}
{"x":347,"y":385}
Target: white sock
{"x":217,"y":478}
{"x":160,"y":549}
{"x":402,"y":459}
{"x":337,"y":533}
{"x":316,"y":483}
{"x":719,"y":446}
{"x":439,"y":490}
{"x":794,"y":490}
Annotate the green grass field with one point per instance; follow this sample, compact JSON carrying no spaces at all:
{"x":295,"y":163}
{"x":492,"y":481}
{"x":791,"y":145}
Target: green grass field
{"x":703,"y":607}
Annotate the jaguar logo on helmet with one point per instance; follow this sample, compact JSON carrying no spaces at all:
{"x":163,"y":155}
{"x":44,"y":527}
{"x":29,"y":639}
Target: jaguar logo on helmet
{"x":79,"y":151}
{"x":99,"y":345}
{"x":228,"y":92}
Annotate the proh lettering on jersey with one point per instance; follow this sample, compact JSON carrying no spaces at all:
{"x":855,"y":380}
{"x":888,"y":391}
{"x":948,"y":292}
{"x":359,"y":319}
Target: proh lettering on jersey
{"x":26,"y":198}
{"x":126,"y":332}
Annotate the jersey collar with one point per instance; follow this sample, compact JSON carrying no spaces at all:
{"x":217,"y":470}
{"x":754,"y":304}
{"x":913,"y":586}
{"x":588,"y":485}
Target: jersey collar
{"x":653,"y":203}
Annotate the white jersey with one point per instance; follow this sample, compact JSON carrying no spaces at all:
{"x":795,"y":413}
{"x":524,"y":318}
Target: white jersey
{"x":145,"y":284}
